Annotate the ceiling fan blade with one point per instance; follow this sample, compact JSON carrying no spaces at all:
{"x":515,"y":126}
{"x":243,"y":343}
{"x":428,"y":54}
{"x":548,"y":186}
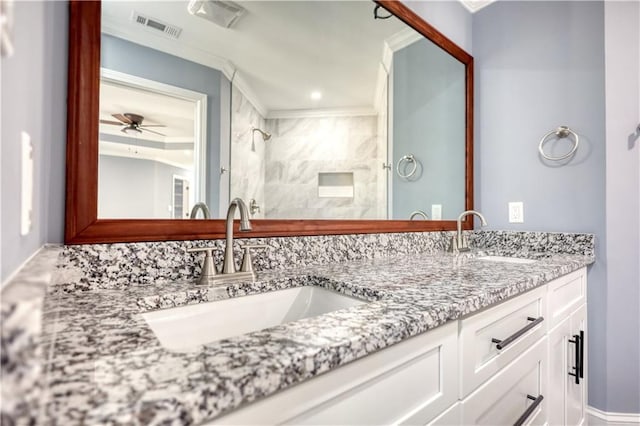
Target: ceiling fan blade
{"x":151,"y":131}
{"x":122,"y":118}
{"x":115,"y":123}
{"x":152,"y":125}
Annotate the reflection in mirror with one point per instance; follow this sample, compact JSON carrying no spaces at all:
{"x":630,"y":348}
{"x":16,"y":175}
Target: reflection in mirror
{"x":428,"y":125}
{"x":147,"y":163}
{"x":311,"y":108}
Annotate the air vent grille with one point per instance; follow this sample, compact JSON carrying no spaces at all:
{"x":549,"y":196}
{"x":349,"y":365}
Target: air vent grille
{"x":154,"y":24}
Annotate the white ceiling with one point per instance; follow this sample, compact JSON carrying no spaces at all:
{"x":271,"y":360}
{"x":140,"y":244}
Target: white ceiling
{"x":281,"y":50}
{"x":175,"y":114}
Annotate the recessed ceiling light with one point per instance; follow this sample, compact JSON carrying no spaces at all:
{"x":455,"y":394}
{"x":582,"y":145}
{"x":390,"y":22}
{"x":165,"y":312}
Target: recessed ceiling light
{"x":316,"y":95}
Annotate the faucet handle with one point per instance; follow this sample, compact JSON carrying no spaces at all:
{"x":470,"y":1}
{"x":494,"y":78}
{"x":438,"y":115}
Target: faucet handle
{"x":208,"y":268}
{"x":453,"y":245}
{"x":247,"y":265}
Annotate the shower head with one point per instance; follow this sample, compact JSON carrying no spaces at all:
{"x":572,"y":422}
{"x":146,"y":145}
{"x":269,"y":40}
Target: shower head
{"x":265,"y":135}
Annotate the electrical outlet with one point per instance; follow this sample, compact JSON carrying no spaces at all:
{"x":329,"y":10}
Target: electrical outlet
{"x":436,"y":211}
{"x":516,"y":212}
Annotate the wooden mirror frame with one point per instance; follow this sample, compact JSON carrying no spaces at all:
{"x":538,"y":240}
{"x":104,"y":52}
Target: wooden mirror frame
{"x":82,"y":225}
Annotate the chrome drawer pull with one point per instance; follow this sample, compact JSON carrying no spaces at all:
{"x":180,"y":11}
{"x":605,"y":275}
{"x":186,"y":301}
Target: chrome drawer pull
{"x":529,"y":410}
{"x":501,"y":344}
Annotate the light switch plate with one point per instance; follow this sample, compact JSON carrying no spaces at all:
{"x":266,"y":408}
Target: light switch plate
{"x":516,"y":212}
{"x":26,"y":185}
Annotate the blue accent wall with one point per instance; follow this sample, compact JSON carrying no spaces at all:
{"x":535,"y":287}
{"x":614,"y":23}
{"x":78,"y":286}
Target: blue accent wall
{"x":539,"y":65}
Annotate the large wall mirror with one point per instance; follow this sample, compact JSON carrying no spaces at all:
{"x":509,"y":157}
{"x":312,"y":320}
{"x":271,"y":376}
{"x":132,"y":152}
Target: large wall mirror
{"x":325,"y":117}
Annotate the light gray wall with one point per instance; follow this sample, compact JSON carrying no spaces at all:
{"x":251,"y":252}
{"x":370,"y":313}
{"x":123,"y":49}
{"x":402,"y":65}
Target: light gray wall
{"x":135,"y":188}
{"x":130,"y":58}
{"x":429,"y":123}
{"x":540,"y":65}
{"x":622,"y":47}
{"x":34,"y":85}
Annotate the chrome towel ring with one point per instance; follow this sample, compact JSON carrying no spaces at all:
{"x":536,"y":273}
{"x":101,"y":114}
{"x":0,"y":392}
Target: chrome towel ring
{"x":561,"y":132}
{"x":409,"y":159}
{"x":418,"y":213}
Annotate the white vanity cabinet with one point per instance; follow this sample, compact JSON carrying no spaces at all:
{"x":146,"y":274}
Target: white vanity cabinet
{"x":508,"y":364}
{"x":567,"y":351}
{"x":411,"y":382}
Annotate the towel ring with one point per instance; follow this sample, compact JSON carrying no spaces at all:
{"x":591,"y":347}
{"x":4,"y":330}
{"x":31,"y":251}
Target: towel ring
{"x":561,"y":132}
{"x":410,"y":159}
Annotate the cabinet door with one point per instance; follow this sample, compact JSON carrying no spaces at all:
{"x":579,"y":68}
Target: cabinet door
{"x":558,"y":377}
{"x":577,"y":393}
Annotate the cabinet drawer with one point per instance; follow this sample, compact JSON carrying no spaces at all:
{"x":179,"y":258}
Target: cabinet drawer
{"x":565,"y":295}
{"x":480,"y":357}
{"x":411,"y":382}
{"x":503,"y":399}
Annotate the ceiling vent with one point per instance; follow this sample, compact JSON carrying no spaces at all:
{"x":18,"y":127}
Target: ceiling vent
{"x":153,"y":24}
{"x":223,"y":13}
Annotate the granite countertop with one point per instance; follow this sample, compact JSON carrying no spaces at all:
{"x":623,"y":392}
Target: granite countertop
{"x":107,"y":367}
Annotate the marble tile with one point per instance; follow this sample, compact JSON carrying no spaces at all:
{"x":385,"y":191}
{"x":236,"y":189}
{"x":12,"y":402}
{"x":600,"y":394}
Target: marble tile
{"x":248,"y":161}
{"x":303,"y":148}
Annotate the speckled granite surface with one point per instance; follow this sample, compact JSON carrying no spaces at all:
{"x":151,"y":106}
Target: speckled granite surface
{"x":512,"y":242}
{"x":125,"y":265}
{"x":111,"y":266}
{"x":109,"y":368}
{"x":105,"y":365}
{"x":22,"y":353}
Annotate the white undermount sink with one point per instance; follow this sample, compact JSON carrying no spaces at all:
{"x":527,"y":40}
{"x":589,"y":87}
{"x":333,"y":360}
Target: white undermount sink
{"x":506,"y":259}
{"x":185,"y":328}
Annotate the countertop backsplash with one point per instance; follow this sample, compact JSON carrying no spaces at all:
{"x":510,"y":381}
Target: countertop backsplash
{"x":57,"y":271}
{"x":111,"y":266}
{"x":121,"y":265}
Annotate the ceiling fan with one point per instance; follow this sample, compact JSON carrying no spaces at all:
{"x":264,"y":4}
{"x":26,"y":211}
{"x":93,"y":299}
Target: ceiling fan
{"x":132,"y":123}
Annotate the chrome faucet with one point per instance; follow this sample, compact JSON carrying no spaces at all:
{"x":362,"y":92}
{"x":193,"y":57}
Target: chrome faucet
{"x":210,"y":274}
{"x":229,"y":265}
{"x":200,"y":206}
{"x":458,"y":243}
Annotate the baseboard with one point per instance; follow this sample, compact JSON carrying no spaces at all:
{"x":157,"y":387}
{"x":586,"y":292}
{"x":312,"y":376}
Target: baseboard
{"x":630,"y":418}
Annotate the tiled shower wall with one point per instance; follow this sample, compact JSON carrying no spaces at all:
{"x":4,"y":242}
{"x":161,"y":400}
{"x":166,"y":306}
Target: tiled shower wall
{"x":381,"y":157}
{"x":304,"y":147}
{"x":281,"y":174}
{"x":247,"y":152}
